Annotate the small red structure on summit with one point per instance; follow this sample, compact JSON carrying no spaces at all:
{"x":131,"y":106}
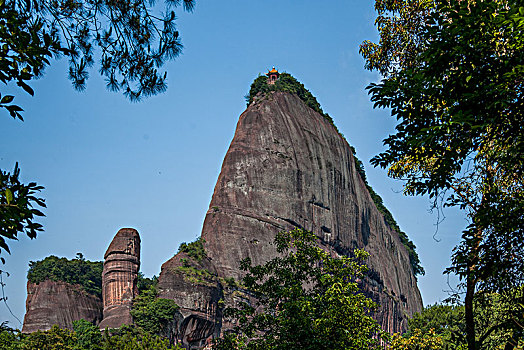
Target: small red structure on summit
{"x":272,"y":76}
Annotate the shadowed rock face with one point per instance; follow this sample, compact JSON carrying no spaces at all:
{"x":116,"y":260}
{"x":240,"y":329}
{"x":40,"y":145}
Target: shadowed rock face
{"x":119,"y":278}
{"x":200,"y":315}
{"x":288,"y":167}
{"x":55,"y":302}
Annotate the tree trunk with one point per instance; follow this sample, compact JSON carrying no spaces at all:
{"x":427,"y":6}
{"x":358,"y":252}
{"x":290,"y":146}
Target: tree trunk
{"x":468,"y":308}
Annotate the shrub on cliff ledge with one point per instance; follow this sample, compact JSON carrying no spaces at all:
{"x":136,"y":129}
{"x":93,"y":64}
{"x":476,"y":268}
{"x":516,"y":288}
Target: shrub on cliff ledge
{"x":195,"y":249}
{"x":305,"y":299}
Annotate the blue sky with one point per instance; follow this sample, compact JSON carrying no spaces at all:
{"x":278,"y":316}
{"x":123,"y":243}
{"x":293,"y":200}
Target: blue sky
{"x":107,"y":163}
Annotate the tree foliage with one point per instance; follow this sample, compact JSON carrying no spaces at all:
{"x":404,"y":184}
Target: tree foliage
{"x":84,"y":336}
{"x":417,"y":341}
{"x":304,"y":299}
{"x":87,"y":274}
{"x":18,"y":208}
{"x":88,"y":335}
{"x":132,"y":39}
{"x":153,"y":314}
{"x":499,"y":320}
{"x":144,"y":283}
{"x":458,"y":99}
{"x":195,"y":249}
{"x":400,"y":25}
{"x":287,"y":83}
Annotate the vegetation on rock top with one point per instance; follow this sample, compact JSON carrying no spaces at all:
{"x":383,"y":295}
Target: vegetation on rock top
{"x":195,"y":249}
{"x":85,"y":273}
{"x":287,"y":83}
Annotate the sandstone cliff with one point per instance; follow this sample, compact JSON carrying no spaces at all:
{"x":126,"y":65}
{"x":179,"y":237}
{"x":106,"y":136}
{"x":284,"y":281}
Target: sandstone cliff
{"x":119,"y":278}
{"x":55,"y":302}
{"x":288,"y":167}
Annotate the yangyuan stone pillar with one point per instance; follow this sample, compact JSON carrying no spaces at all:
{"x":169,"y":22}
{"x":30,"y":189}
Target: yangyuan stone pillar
{"x":119,"y":278}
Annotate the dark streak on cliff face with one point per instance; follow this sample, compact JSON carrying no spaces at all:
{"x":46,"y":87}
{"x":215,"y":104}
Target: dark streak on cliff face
{"x":54,"y":302}
{"x":119,"y":278}
{"x":288,"y":167}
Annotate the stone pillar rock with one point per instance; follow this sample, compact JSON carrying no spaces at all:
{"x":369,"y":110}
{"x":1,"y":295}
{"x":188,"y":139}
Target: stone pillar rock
{"x":119,"y":278}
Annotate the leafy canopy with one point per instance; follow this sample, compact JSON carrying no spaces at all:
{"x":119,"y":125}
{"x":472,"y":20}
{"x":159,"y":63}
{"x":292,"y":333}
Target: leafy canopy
{"x":132,"y":39}
{"x":152,"y":314}
{"x":195,"y":249}
{"x":459,"y":139}
{"x":304,"y":299}
{"x":87,"y":274}
{"x":417,"y":341}
{"x":18,"y":210}
{"x":460,"y":113}
{"x":84,"y":336}
{"x":499,"y":320}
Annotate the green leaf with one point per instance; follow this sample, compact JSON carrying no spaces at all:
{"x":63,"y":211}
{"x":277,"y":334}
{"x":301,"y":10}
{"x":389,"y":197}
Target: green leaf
{"x":7,"y":99}
{"x":8,"y":195}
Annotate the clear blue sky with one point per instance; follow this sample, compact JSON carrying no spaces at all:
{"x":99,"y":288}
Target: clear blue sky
{"x":107,"y":163}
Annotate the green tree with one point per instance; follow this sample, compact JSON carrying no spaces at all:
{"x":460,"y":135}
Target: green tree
{"x":499,"y":321}
{"x":447,"y":321}
{"x":128,"y":338}
{"x":88,"y":335}
{"x":53,"y":339}
{"x":153,"y":314}
{"x":400,"y":25}
{"x":144,"y":283}
{"x":132,"y":38}
{"x":458,"y":100}
{"x":18,"y":208}
{"x":417,"y":341}
{"x":303,"y":299}
{"x":9,"y":338}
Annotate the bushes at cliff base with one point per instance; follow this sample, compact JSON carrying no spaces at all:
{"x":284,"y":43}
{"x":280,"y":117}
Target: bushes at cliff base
{"x":85,"y":336}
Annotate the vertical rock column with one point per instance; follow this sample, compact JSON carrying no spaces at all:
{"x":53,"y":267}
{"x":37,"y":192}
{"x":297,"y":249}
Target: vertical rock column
{"x":119,"y":278}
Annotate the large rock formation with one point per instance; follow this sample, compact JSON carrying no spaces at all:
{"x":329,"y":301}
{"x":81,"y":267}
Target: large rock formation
{"x":288,"y":167}
{"x":55,"y":302}
{"x":119,"y":278}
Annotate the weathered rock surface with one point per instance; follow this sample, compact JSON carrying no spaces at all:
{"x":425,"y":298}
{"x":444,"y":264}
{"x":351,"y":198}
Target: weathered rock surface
{"x":55,"y":302}
{"x":119,"y":278}
{"x":288,"y":167}
{"x":196,"y":290}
